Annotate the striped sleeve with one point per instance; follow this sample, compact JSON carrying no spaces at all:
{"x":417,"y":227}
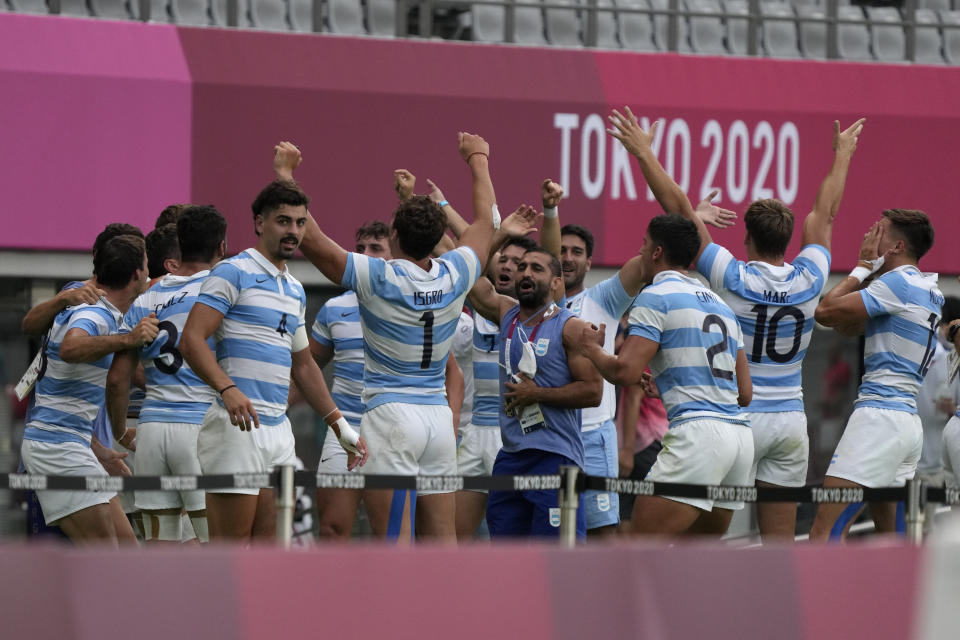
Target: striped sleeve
{"x":885,"y":295}
{"x":719,"y":267}
{"x":91,"y":321}
{"x":363,"y":274}
{"x":815,"y":259}
{"x":467,"y":265}
{"x":221,"y":289}
{"x":611,"y":296}
{"x":321,"y":328}
{"x":132,"y":317}
{"x":648,"y":317}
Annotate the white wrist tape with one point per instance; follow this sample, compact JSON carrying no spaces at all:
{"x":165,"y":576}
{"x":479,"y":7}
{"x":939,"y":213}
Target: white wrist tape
{"x":550,"y":212}
{"x":348,"y":435}
{"x":496,"y":216}
{"x":860,"y":273}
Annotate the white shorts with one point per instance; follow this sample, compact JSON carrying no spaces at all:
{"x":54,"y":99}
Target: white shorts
{"x":409,"y":440}
{"x":879,"y":448}
{"x":63,"y":459}
{"x":333,"y":457}
{"x":478,"y":450}
{"x":711,"y":452}
{"x":224,"y":448}
{"x":168,"y":449}
{"x":781,"y":448}
{"x":951,"y":452}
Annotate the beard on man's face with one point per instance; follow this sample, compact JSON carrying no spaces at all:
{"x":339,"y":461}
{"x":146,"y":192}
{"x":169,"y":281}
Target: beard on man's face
{"x":531,"y":293}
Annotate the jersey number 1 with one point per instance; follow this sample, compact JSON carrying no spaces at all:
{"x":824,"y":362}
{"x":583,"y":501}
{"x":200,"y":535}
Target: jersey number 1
{"x":427,"y":320}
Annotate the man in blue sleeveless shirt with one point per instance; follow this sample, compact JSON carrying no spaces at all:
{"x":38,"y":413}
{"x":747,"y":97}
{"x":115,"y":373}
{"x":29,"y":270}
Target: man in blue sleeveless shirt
{"x":545,"y":381}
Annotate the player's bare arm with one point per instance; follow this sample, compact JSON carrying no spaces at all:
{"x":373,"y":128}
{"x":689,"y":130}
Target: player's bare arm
{"x":624,"y":369}
{"x":453,"y":383}
{"x":843,"y":306}
{"x":550,"y":195}
{"x":488,"y":303}
{"x":40,"y":318}
{"x":201,"y":323}
{"x":322,"y":354}
{"x":80,"y":346}
{"x":476,"y":153}
{"x":818,"y":225}
{"x":118,"y":395}
{"x":744,"y":383}
{"x":309,"y":379}
{"x":586,"y":390}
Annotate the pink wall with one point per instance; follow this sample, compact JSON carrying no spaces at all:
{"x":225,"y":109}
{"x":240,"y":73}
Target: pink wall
{"x":158,"y":114}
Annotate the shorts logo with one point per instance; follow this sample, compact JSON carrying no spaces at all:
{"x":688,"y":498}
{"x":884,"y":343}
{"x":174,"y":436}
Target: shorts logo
{"x":603,"y":501}
{"x":541,"y":347}
{"x":555,"y":516}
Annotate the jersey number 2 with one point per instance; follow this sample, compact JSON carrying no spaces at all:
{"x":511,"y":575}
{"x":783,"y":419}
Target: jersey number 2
{"x":720,"y":347}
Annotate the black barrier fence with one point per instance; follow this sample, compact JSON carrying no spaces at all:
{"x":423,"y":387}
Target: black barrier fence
{"x":310,"y":480}
{"x":569,"y":484}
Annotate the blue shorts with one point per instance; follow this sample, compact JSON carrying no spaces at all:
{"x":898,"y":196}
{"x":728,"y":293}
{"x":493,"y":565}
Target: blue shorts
{"x":600,"y":458}
{"x":526,"y":514}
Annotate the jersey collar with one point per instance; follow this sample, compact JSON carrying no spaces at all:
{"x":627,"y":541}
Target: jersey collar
{"x":266,"y":265}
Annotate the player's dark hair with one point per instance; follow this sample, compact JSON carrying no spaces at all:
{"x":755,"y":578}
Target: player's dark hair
{"x":169,"y":215}
{"x":200,"y":230}
{"x":580,"y":232}
{"x":950,"y":310}
{"x":770,"y":224}
{"x":161,"y":245}
{"x":372,"y":229}
{"x":678,"y":238}
{"x":118,"y":260}
{"x":419,"y":224}
{"x":276,"y":194}
{"x":915,"y":228}
{"x":555,"y":268}
{"x":113,"y":230}
{"x":524,"y":242}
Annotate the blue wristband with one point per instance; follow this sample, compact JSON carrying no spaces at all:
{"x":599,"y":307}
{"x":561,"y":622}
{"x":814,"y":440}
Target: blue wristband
{"x":442,"y":204}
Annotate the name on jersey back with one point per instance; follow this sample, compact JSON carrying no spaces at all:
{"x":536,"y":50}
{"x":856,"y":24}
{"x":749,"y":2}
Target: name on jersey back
{"x":427,"y":298}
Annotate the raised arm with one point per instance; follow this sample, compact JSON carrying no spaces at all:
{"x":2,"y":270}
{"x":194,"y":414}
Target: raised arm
{"x":668,"y":193}
{"x":842,"y":307}
{"x":818,"y":225}
{"x":40,"y":317}
{"x":80,"y":346}
{"x":454,"y":220}
{"x":487,"y":302}
{"x":476,"y":153}
{"x":550,"y":195}
{"x":325,"y":254}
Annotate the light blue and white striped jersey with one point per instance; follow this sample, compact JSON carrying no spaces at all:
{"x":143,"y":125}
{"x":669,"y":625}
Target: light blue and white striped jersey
{"x":695,"y":366}
{"x":775,"y":308}
{"x":409,"y":317}
{"x":462,"y":350}
{"x":603,"y":303}
{"x":262,"y":308}
{"x":69,"y":396}
{"x":904,"y":308}
{"x":338,"y":326}
{"x":486,"y":372}
{"x":175,"y":394}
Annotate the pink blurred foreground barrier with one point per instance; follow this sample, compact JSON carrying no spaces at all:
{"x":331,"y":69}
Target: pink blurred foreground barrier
{"x":509,"y":591}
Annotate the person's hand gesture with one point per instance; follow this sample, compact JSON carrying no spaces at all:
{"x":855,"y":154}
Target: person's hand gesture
{"x":627,"y":130}
{"x":846,"y":141}
{"x":550,"y":193}
{"x":521,"y":222}
{"x":713,"y":215}
{"x":435,"y":194}
{"x":286,"y":158}
{"x":403,"y":183}
{"x":145,"y":332}
{"x":471,"y":145}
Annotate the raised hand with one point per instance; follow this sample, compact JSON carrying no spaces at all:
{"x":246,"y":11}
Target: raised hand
{"x":286,"y":158}
{"x":471,"y":145}
{"x":627,"y":130}
{"x":403,"y":183}
{"x":846,"y":141}
{"x":550,"y":193}
{"x":435,"y":194}
{"x":870,"y":247}
{"x":713,"y":215}
{"x":145,"y":332}
{"x":521,"y":222}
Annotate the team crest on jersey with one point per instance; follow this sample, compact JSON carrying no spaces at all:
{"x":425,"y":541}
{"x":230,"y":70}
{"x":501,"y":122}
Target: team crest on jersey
{"x":603,"y":501}
{"x":541,"y":347}
{"x":555,"y":516}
